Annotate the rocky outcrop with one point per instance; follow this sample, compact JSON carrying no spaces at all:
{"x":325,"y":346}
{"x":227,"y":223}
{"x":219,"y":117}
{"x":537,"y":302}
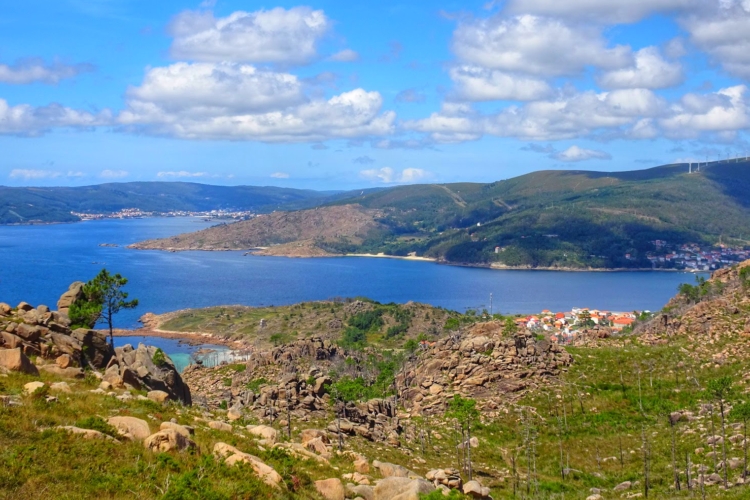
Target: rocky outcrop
{"x":47,"y":335}
{"x":147,"y":367}
{"x":75,"y":292}
{"x":483,"y":363}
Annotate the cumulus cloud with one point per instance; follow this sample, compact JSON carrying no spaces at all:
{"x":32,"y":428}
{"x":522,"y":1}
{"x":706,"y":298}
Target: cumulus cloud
{"x":722,"y":111}
{"x":574,"y":153}
{"x":387,"y":175}
{"x":474,"y":83}
{"x":346,"y":55}
{"x":180,"y":173}
{"x":539,"y":46}
{"x":723,"y":33}
{"x":208,"y":89}
{"x":280,"y":175}
{"x":36,"y":70}
{"x":650,"y":71}
{"x":565,"y":117}
{"x":611,"y":11}
{"x":113,"y":174}
{"x":240,"y":102}
{"x":264,"y":36}
{"x":27,"y":120}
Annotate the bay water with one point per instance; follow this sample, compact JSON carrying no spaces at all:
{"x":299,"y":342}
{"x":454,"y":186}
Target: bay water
{"x":39,"y":262}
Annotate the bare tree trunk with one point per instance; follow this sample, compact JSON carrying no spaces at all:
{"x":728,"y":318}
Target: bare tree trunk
{"x":468,"y":446}
{"x":744,"y":446}
{"x":674,"y":460}
{"x":724,"y":444}
{"x":713,"y":433}
{"x":644,"y":444}
{"x":687,"y":472}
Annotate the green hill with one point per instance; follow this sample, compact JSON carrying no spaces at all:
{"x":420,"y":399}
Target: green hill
{"x":566,"y":218}
{"x":55,"y":204}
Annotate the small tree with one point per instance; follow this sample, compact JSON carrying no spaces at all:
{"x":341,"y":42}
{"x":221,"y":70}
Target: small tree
{"x":106,"y":291}
{"x":720,"y":389}
{"x":742,"y":412}
{"x":464,"y":410}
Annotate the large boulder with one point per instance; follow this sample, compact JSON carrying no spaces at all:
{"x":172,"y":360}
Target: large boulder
{"x":331,"y":489}
{"x":401,"y":488}
{"x":151,"y":369}
{"x":232,"y":456}
{"x":264,"y":432}
{"x":14,"y":360}
{"x":97,"y":352}
{"x":131,"y":428}
{"x":75,"y":292}
{"x":168,"y":440}
{"x":392,"y":470}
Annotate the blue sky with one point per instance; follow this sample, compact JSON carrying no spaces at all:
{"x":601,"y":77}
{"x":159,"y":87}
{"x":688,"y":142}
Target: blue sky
{"x":334,"y":95}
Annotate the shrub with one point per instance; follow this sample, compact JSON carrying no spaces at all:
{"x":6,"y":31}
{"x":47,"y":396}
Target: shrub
{"x":97,"y":424}
{"x":159,"y":358}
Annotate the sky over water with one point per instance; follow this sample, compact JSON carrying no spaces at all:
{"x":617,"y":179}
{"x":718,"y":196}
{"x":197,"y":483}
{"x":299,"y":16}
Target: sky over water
{"x":332,"y":94}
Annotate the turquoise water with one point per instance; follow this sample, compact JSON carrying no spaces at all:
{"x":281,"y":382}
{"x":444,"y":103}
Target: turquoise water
{"x":182,"y":354}
{"x":39,"y":262}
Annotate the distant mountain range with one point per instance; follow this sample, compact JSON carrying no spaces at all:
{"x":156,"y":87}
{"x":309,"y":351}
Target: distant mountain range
{"x":555,"y":219}
{"x":27,"y":205}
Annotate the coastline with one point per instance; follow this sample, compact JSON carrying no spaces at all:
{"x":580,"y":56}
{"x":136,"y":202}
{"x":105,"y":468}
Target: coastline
{"x":253,"y":252}
{"x":191,"y":338}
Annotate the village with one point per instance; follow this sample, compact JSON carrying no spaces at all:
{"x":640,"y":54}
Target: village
{"x":565,"y":327}
{"x":692,"y":257}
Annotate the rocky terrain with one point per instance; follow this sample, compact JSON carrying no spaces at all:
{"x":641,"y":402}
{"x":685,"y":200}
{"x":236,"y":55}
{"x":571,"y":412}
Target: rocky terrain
{"x":44,"y":336}
{"x":304,"y":233}
{"x":263,"y":327}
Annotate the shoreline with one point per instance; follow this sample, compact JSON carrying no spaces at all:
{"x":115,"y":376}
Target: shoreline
{"x":252,"y":252}
{"x":190,"y":338}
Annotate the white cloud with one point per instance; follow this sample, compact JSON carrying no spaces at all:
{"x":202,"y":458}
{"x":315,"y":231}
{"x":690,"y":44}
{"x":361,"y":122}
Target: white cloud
{"x":280,"y":175}
{"x":72,"y":173}
{"x":113,"y":174}
{"x":210,"y":89}
{"x":346,"y":55}
{"x":574,"y":153}
{"x":724,"y":33}
{"x":474,"y":83}
{"x":277,"y":35}
{"x":180,"y":173}
{"x":239,"y":102}
{"x":30,"y":174}
{"x":387,"y":175}
{"x":26,"y":120}
{"x":609,"y":11}
{"x":565,"y":117}
{"x":723,"y":111}
{"x":35,"y":70}
{"x":650,"y":71}
{"x":539,"y":46}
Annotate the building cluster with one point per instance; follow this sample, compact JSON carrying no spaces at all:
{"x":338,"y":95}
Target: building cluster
{"x":565,"y":326}
{"x":136,"y":213}
{"x":692,"y":257}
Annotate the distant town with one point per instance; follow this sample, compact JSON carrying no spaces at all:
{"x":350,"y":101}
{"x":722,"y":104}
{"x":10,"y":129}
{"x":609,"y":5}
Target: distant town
{"x":136,"y":213}
{"x":692,"y":257}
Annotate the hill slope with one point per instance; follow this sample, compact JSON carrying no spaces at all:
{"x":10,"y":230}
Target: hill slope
{"x":563,"y":219}
{"x":54,"y":204}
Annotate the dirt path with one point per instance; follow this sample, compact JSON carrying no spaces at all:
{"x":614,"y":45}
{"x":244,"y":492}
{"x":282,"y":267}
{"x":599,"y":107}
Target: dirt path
{"x":456,"y":198}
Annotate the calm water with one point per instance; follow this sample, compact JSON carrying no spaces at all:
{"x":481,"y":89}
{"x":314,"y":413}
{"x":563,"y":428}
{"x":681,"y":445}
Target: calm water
{"x":39,"y":262}
{"x":182,"y":354}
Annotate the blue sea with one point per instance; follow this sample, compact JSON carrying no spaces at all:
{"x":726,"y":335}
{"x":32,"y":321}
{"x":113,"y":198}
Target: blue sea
{"x":37,"y":263}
